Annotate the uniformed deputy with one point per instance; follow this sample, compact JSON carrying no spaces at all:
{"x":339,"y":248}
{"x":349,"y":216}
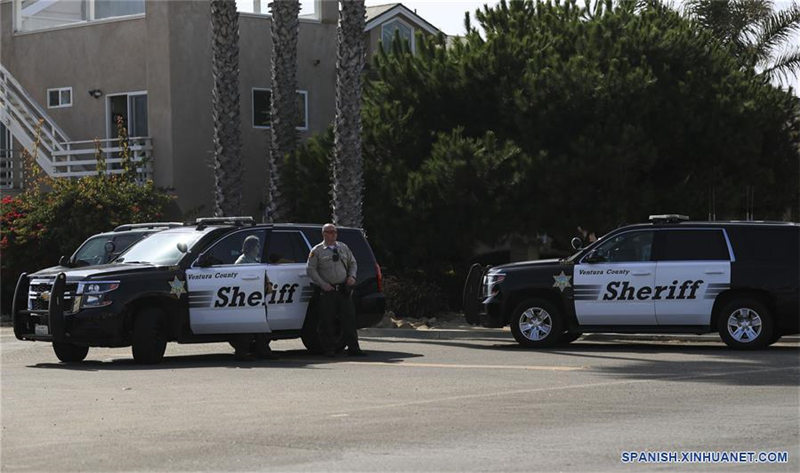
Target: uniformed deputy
{"x":332,"y":266}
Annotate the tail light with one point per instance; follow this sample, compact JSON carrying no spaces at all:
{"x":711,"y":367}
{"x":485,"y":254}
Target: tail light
{"x":379,"y":277}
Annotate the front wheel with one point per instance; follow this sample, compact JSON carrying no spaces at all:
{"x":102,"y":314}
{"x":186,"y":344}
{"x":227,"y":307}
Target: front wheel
{"x":149,"y":340}
{"x":69,"y":353}
{"x":745,"y":324}
{"x":536,"y":323}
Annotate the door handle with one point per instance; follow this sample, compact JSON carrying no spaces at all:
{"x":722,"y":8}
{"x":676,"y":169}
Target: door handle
{"x":249,"y":278}
{"x":713,"y":272}
{"x":304,"y":276}
{"x":641,"y":274}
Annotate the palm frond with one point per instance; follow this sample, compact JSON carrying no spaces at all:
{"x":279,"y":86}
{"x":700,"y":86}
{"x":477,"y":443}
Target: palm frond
{"x":785,"y":66}
{"x":778,"y":28}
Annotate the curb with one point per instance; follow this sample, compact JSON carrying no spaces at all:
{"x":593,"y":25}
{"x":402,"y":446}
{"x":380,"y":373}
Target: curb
{"x":505,"y":334}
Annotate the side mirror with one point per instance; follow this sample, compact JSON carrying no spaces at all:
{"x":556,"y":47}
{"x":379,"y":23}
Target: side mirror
{"x":182,"y":247}
{"x":577,"y":243}
{"x":64,"y":261}
{"x":594,"y":257}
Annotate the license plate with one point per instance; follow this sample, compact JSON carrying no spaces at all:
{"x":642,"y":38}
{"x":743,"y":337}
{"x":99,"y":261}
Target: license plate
{"x":41,"y":330}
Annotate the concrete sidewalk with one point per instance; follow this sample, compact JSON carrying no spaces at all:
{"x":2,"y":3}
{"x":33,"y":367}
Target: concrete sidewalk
{"x":470,"y":332}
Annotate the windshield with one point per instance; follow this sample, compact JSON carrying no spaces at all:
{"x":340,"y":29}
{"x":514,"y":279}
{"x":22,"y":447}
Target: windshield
{"x":160,"y":248}
{"x":92,"y":252}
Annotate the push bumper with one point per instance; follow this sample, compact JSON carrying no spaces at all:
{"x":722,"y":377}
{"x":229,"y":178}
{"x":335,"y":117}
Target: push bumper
{"x":491,"y":313}
{"x":57,"y":323}
{"x":43,"y":325}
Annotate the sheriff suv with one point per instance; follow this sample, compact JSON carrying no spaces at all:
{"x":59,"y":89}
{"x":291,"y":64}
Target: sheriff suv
{"x":667,"y":276}
{"x":182,"y":284}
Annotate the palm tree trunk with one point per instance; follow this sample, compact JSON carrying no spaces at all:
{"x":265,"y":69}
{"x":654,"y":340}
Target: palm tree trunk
{"x":283,"y":133}
{"x":225,"y":108}
{"x":347,"y":187}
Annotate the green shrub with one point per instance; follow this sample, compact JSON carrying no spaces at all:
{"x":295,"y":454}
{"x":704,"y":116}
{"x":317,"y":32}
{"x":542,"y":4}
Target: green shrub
{"x":412,"y":296}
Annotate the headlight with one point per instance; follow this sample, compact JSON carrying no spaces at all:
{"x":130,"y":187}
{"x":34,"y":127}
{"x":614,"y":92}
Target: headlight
{"x":95,"y":293}
{"x":491,"y":282}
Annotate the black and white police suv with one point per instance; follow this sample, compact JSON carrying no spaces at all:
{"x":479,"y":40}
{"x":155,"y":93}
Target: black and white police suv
{"x":182,"y":284}
{"x":667,"y":276}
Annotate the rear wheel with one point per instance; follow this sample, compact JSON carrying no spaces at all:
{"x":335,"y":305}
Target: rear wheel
{"x":69,"y":353}
{"x":536,"y":323}
{"x":149,"y":340}
{"x":745,"y":324}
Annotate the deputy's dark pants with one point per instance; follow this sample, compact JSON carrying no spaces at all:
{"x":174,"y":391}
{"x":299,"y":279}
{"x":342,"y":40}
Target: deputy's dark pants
{"x":333,"y":304}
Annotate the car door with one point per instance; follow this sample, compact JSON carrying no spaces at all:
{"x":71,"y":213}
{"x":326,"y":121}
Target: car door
{"x":287,"y":254}
{"x":225,"y":297}
{"x":693,"y":267}
{"x":613,"y":282}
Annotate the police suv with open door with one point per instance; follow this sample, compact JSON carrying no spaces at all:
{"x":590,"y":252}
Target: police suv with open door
{"x":183,"y":284}
{"x":667,"y":276}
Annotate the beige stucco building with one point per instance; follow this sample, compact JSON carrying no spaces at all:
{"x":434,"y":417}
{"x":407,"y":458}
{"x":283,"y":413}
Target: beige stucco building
{"x":77,"y":64}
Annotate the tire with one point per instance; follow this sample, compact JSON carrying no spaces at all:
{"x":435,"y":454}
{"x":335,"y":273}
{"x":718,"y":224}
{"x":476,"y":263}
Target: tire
{"x":569,"y":337}
{"x":745,"y":324}
{"x":149,"y":340}
{"x":536,"y":323}
{"x":69,"y":353}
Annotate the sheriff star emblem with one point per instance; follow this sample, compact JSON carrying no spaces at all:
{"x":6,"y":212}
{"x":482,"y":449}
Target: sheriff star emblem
{"x":562,"y":281}
{"x":177,"y":287}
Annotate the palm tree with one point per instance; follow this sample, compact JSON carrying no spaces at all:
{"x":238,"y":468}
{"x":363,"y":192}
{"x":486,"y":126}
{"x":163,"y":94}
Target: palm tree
{"x":760,"y":37}
{"x":347,"y":186}
{"x":283,"y":111}
{"x":225,"y":108}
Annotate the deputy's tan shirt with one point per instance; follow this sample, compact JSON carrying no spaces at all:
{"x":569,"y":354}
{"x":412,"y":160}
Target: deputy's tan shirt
{"x":322,"y":269}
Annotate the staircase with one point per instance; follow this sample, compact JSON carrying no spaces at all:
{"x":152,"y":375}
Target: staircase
{"x":57,"y":154}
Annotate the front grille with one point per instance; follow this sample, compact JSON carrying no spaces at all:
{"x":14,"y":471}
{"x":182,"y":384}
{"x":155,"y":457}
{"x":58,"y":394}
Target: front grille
{"x":37,"y":302}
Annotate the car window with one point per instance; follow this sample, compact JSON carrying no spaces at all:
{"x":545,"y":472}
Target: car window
{"x":160,"y":248}
{"x":768,"y":245}
{"x":692,"y":245}
{"x":92,"y":252}
{"x":122,"y":242}
{"x":287,"y":247}
{"x":229,"y":248}
{"x":626,"y":247}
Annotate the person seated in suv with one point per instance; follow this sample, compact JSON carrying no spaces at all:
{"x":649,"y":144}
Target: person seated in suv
{"x":250,"y":248}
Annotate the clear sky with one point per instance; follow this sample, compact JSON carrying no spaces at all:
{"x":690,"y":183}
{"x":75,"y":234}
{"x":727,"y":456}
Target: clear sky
{"x":448,"y":16}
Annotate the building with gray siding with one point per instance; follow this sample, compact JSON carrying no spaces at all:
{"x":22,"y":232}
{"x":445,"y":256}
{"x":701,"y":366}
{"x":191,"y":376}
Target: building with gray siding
{"x":81,"y":63}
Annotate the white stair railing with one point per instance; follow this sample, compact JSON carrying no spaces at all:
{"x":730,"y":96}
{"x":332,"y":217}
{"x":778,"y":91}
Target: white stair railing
{"x":57,"y":154}
{"x":22,"y":115}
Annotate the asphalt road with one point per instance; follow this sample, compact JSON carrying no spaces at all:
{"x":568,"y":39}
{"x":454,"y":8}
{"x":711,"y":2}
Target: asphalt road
{"x":412,"y":405}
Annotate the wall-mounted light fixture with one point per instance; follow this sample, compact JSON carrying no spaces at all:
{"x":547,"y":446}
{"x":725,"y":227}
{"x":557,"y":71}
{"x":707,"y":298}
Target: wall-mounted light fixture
{"x":96,"y":93}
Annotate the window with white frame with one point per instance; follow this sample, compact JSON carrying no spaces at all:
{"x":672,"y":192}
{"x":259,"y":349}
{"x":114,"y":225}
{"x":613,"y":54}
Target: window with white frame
{"x":32,"y":15}
{"x":59,"y":97}
{"x":262,"y":106}
{"x":308,"y":8}
{"x":399,"y":27}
